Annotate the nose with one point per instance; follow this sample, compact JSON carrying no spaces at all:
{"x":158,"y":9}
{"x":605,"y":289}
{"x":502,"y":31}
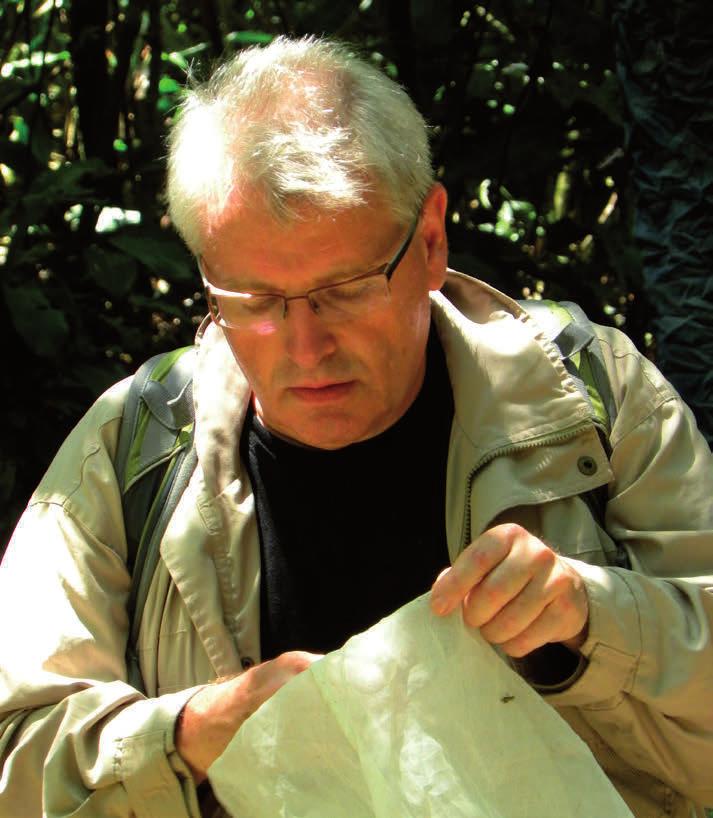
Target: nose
{"x":309,"y":339}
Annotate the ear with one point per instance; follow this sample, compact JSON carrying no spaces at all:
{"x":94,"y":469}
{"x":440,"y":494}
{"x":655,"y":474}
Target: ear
{"x":433,"y":233}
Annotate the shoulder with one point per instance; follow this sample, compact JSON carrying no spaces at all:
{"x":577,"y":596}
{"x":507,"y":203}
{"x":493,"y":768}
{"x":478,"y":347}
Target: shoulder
{"x":94,"y":435}
{"x":79,"y":490}
{"x":639,"y":389}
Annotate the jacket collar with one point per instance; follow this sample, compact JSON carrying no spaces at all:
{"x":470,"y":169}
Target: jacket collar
{"x":221,"y":395}
{"x":509,"y":384}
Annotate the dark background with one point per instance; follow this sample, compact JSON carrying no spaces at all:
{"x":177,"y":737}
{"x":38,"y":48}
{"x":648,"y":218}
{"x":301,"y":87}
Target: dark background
{"x":574,"y":139}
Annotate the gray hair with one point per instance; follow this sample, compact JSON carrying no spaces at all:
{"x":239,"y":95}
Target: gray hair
{"x":302,"y":122}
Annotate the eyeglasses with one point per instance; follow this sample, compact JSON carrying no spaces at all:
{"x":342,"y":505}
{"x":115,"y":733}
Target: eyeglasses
{"x":262,"y":312}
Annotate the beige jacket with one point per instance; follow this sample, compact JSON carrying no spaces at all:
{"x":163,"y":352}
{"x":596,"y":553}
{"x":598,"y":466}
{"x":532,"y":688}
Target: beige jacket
{"x":76,"y":739}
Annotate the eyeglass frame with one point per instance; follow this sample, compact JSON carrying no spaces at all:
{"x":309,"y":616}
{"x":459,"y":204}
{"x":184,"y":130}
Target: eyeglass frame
{"x":388,"y":269}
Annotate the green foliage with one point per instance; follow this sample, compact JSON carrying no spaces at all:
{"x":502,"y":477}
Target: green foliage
{"x":527,"y":130}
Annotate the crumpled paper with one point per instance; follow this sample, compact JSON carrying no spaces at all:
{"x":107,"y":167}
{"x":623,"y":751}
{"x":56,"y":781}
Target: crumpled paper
{"x":418,"y":717}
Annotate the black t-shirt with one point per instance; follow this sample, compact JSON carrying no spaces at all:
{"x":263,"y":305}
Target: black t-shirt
{"x":347,"y":536}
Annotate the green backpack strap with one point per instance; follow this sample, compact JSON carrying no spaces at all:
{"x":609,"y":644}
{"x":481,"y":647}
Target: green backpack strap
{"x":569,"y":328}
{"x":154,"y":462}
{"x":585,"y":359}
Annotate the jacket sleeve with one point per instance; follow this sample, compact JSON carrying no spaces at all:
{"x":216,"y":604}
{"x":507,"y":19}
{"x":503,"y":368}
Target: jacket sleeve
{"x":75,"y":738}
{"x":647,"y":687}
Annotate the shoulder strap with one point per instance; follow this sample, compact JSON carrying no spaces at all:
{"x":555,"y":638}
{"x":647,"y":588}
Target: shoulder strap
{"x":588,"y":359}
{"x":154,"y":461}
{"x":569,"y":328}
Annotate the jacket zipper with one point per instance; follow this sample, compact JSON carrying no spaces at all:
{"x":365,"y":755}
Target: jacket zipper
{"x":560,"y":437}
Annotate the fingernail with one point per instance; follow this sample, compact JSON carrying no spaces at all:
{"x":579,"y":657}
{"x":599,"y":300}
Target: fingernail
{"x":439,"y":605}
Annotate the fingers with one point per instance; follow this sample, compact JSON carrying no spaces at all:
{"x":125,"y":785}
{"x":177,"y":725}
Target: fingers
{"x":516,"y":590}
{"x":269,"y":677}
{"x":472,"y":565}
{"x":508,"y":585}
{"x":503,"y":612}
{"x":211,"y":717}
{"x":297,"y":660}
{"x":542,"y":630}
{"x":544,"y":601}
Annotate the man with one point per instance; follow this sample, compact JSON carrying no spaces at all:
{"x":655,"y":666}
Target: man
{"x":363,"y":417}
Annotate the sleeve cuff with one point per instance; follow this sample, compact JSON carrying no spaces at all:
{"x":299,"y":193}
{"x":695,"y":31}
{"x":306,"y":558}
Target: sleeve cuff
{"x":613,"y":646}
{"x":156,"y":779}
{"x":551,"y":668}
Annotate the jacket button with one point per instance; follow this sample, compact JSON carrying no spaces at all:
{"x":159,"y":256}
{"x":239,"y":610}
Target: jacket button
{"x":247,"y":662}
{"x":587,"y":465}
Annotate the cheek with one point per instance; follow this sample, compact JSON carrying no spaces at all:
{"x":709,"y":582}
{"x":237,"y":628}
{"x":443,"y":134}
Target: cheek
{"x":396,"y":346}
{"x":253,"y":357}
{"x":411,"y":327}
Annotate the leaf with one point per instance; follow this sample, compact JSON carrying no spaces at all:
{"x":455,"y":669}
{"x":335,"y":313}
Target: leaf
{"x":22,"y":130}
{"x":73,"y":178}
{"x":249,"y":37}
{"x":177,"y":59}
{"x":43,"y":328}
{"x":47,"y":7}
{"x":158,"y":250}
{"x":181,"y":58}
{"x":167,"y":85}
{"x":112,"y":271}
{"x":165,"y":104}
{"x":69,"y":184}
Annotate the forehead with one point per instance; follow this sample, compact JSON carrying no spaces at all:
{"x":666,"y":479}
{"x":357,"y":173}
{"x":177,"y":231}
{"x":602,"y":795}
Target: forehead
{"x":255,"y":249}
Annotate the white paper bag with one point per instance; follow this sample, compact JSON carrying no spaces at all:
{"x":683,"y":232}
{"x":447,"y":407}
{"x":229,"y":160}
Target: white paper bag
{"x":418,"y":717}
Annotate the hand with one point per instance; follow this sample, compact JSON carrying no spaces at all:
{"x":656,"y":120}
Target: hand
{"x":211,"y":717}
{"x":516,"y":590}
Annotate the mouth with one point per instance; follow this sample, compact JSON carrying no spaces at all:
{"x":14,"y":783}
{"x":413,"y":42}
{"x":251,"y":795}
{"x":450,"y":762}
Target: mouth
{"x":322,"y":392}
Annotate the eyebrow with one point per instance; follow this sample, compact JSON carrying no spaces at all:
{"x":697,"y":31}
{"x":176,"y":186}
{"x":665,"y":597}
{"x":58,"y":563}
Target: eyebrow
{"x":333,"y":278}
{"x":252,"y":285}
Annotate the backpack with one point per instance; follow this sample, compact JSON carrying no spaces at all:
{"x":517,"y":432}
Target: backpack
{"x":156,"y":456}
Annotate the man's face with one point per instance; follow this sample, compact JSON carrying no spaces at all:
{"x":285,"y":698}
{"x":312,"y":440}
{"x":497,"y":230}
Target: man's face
{"x":331,"y":384}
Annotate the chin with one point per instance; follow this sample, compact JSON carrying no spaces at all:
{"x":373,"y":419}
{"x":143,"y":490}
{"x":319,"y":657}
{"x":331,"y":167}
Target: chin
{"x":332,"y":428}
{"x":329,"y":443}
{"x":321,"y":436}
